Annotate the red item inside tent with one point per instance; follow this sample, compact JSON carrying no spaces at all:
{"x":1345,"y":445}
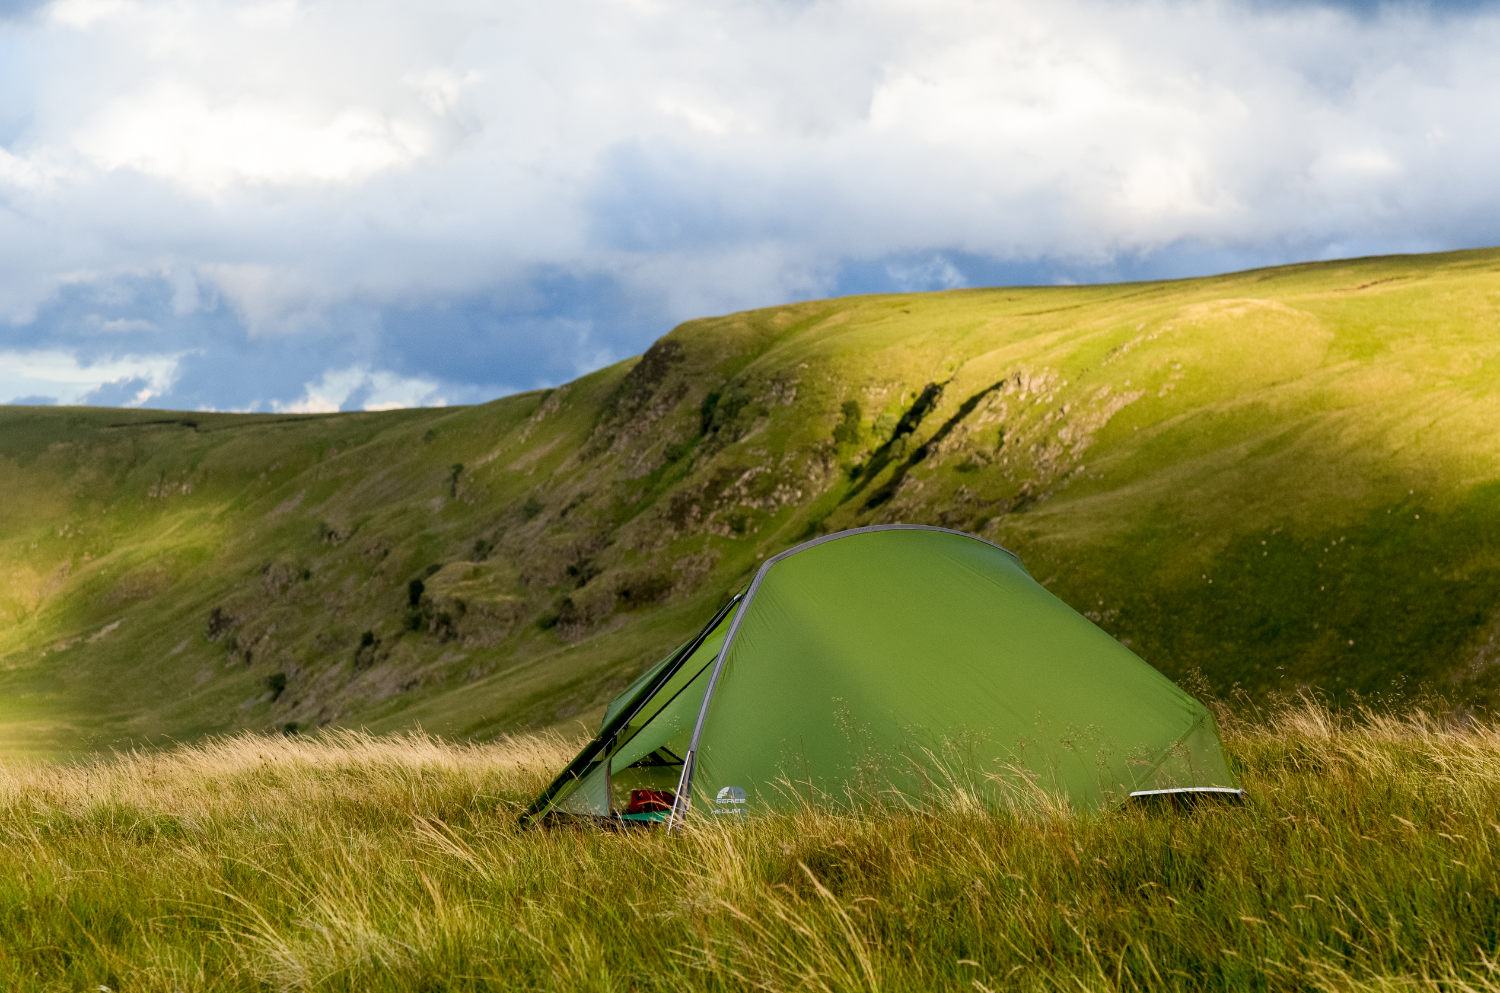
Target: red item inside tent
{"x":650,"y":801}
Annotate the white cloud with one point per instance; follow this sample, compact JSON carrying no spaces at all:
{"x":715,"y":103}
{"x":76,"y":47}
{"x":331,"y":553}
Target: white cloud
{"x":20,"y":175}
{"x":67,"y":379}
{"x":83,"y":13}
{"x":388,"y":391}
{"x":934,"y":273}
{"x":267,"y":297}
{"x":174,"y":132}
{"x":378,"y":390}
{"x":325,"y":395}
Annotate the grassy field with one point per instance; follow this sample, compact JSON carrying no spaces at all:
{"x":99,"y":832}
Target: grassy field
{"x":1280,"y":478}
{"x":1365,"y":859}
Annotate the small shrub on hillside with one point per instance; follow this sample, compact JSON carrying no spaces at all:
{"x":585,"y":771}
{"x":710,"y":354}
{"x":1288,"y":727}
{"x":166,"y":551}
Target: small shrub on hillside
{"x":725,"y":411}
{"x":643,"y":589}
{"x":583,"y":572}
{"x":276,"y":683}
{"x":729,"y":409}
{"x":816,"y":525}
{"x":367,"y":654}
{"x":568,"y":613}
{"x":574,"y":503}
{"x":219,"y":622}
{"x":481,"y":549}
{"x":847,"y":431}
{"x":330,"y":534}
{"x":419,"y":606}
{"x":241,"y":647}
{"x":445,"y":625}
{"x":532,"y":507}
{"x":706,"y":412}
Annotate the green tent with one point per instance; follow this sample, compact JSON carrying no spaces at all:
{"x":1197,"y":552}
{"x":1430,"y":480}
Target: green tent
{"x":887,"y":665}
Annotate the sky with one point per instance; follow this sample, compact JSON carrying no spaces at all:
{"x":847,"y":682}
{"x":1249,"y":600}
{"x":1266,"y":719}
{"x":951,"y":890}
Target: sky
{"x":304,"y":206}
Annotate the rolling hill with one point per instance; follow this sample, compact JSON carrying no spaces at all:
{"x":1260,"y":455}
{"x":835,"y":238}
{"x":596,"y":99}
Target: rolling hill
{"x":1266,"y":481}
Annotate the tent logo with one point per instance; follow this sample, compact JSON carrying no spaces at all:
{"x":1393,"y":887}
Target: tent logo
{"x":729,"y":798}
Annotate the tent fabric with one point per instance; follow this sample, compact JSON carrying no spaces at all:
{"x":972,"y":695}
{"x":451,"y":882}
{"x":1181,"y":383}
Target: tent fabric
{"x":899,"y":663}
{"x":591,"y":796}
{"x":619,"y":703}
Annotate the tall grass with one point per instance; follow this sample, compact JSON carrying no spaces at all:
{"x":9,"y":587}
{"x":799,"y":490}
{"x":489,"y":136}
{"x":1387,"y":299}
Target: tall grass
{"x":1365,"y":859}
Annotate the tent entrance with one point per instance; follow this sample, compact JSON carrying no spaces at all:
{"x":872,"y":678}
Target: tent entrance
{"x":644,"y":735}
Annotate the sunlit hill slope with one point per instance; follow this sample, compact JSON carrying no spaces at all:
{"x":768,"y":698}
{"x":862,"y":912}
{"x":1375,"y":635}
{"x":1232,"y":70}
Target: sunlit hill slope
{"x":1276,"y":479}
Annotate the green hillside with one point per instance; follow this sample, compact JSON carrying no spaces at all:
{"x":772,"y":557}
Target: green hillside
{"x":1273,"y":479}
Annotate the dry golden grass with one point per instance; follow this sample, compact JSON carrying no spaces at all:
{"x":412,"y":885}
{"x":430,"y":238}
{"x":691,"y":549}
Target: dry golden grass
{"x":1365,"y":860}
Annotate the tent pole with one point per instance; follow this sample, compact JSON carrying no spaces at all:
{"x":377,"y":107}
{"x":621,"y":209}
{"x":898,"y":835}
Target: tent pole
{"x":678,"y":801}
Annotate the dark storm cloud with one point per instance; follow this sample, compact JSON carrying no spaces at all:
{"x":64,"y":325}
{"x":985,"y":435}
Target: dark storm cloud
{"x":565,"y":325}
